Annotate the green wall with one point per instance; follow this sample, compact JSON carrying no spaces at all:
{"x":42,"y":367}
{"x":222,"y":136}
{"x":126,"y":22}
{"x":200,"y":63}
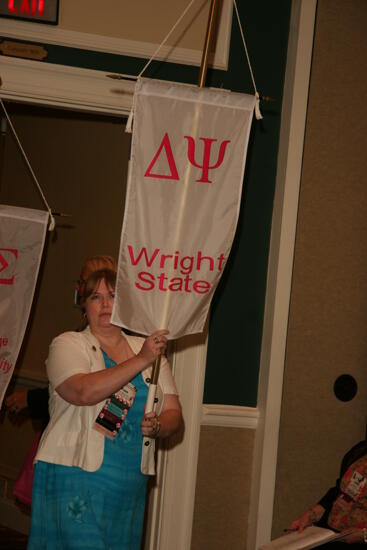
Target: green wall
{"x":238,"y":306}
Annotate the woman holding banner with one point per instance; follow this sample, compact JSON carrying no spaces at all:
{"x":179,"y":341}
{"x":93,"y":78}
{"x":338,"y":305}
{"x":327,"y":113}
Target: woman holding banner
{"x":92,"y":464}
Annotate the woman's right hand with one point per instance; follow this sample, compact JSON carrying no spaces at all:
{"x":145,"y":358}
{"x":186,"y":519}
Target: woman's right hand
{"x":308,"y":518}
{"x":154,"y":345}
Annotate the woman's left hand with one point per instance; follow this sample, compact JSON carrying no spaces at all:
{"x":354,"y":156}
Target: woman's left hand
{"x":169,"y":420}
{"x":150,"y":425}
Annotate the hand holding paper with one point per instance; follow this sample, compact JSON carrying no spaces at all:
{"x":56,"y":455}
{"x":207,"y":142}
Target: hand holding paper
{"x":311,"y":537}
{"x":308,"y":518}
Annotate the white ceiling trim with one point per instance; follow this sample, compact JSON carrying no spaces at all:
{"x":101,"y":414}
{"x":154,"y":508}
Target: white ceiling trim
{"x":64,"y":86}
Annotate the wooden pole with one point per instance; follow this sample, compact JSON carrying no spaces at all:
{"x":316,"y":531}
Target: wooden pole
{"x":208,"y":39}
{"x":203,"y":70}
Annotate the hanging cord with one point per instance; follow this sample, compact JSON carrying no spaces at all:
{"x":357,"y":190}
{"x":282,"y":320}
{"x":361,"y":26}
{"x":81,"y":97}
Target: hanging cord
{"x":167,"y":37}
{"x":51,"y":227}
{"x":130,"y":119}
{"x":258,"y":114}
{"x":257,"y":104}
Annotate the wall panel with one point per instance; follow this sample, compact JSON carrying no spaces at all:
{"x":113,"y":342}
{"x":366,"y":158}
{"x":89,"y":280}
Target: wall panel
{"x":223,"y":488}
{"x":327,"y":334}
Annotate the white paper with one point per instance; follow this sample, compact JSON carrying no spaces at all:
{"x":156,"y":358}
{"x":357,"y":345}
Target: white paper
{"x":311,"y":537}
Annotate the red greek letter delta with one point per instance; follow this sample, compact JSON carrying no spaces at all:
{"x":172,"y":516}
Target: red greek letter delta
{"x":166,"y":145}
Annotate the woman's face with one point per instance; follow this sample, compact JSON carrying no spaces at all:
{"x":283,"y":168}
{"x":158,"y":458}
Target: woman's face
{"x":98,"y":306}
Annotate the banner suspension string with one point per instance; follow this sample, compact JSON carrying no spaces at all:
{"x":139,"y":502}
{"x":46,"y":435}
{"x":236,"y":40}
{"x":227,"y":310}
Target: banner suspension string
{"x":258,"y":114}
{"x":257,"y":105}
{"x":167,"y":37}
{"x":52,"y":219}
{"x":129,"y":120}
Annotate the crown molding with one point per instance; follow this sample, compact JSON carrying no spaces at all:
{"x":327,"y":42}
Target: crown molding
{"x":63,"y":86}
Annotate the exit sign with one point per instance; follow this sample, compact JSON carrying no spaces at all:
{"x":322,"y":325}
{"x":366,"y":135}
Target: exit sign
{"x":38,"y":11}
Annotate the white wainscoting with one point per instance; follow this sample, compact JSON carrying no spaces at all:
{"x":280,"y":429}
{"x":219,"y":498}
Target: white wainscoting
{"x":230,"y":416}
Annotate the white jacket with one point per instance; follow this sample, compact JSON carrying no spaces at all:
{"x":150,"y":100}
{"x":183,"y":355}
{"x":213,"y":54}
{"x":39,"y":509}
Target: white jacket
{"x":69,"y":438}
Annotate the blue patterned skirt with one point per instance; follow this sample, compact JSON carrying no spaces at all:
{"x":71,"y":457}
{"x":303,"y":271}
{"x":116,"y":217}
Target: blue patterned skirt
{"x":77,"y":510}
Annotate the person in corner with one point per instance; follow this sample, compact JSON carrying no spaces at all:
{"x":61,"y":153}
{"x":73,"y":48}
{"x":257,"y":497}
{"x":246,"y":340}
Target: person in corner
{"x":35,"y":400}
{"x":98,"y":448}
{"x":344,"y":507}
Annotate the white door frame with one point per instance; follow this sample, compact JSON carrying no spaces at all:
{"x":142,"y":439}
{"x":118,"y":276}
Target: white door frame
{"x":278,"y":289}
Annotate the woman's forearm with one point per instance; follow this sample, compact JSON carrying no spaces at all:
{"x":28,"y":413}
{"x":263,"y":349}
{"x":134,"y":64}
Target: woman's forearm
{"x":91,"y":388}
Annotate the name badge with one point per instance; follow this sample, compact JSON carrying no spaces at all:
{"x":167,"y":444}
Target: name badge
{"x":114,"y":411}
{"x":356,"y":485}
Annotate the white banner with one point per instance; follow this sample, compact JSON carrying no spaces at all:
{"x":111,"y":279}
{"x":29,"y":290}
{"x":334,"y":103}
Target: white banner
{"x":22,"y":237}
{"x":187,"y":165}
